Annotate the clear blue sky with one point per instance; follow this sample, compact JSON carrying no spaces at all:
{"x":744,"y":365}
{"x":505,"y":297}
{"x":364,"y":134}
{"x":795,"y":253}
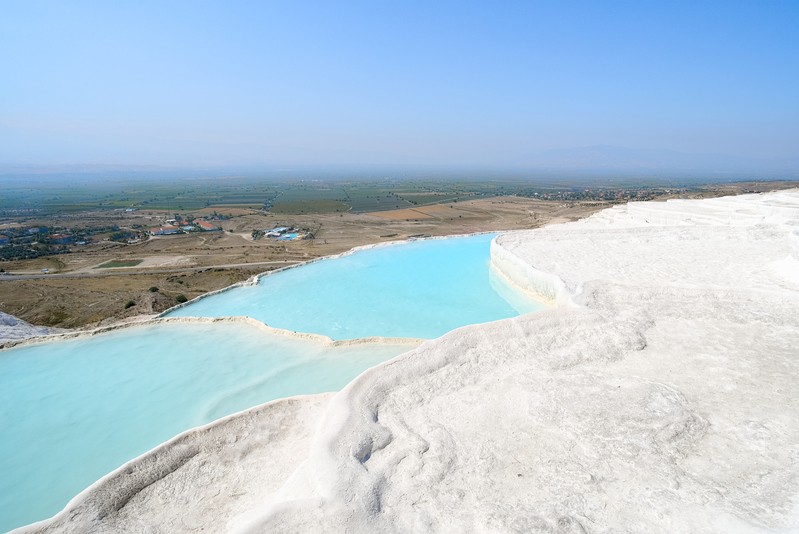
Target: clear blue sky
{"x":257,"y":82}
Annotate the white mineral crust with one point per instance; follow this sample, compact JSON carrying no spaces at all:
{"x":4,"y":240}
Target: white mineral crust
{"x":659,"y":394}
{"x":14,"y":329}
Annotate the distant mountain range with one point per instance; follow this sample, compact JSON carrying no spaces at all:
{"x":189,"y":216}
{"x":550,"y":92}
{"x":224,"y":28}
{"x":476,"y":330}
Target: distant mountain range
{"x":602,"y":159}
{"x":589,"y":162}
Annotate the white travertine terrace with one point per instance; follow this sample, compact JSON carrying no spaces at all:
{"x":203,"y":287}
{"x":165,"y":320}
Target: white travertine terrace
{"x":14,"y":329}
{"x":658,"y":395}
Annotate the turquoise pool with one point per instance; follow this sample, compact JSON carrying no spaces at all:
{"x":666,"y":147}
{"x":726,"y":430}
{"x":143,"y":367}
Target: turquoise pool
{"x":420,"y":289}
{"x":72,"y":411}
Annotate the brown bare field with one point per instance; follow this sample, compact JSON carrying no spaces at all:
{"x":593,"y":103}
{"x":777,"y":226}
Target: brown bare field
{"x":226,"y":209}
{"x":74,"y":302}
{"x":408,"y":214}
{"x":435,"y":211}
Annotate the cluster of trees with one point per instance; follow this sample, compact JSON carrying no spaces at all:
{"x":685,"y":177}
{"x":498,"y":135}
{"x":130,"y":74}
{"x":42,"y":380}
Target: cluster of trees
{"x":180,"y":298}
{"x":217,"y":216}
{"x":27,"y":251}
{"x":125,"y":235}
{"x":28,"y":243}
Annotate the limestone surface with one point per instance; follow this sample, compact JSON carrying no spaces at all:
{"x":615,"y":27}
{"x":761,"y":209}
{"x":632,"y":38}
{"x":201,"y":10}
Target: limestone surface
{"x":208,"y":478}
{"x":15,"y":329}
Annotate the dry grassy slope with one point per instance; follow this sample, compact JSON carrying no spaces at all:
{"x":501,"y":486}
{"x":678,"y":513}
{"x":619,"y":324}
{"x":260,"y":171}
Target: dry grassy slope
{"x":75,"y":302}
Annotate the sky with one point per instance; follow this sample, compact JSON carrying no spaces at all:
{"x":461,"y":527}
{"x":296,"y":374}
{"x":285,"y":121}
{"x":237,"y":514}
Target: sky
{"x":393,"y":82}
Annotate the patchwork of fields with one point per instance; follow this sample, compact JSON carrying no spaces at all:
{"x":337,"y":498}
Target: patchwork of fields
{"x":290,"y":197}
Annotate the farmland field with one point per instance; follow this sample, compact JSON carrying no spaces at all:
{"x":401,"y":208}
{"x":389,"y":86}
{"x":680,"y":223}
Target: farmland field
{"x":119,"y":263}
{"x":365,"y":198}
{"x":309,"y":206}
{"x":75,"y":194}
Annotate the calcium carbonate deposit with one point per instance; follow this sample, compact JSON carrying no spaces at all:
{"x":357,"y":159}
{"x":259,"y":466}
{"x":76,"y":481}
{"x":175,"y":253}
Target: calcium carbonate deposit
{"x":659,"y":395}
{"x":15,"y":329}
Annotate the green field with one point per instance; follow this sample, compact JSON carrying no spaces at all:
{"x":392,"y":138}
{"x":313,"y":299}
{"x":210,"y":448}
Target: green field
{"x":26,"y":196}
{"x":119,"y":263}
{"x":180,"y":195}
{"x":74,"y":194}
{"x":300,"y":207}
{"x":364,"y":198}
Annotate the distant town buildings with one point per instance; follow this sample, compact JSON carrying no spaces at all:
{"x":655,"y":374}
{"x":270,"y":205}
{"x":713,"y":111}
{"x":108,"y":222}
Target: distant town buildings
{"x":276,"y":232}
{"x":166,"y":229}
{"x":180,"y":226}
{"x":18,"y":242}
{"x":286,"y":233}
{"x":62,"y":239}
{"x":205,"y":225}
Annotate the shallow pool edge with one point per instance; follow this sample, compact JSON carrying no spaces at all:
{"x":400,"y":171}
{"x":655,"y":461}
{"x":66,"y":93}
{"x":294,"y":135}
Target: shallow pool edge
{"x":150,"y":461}
{"x":320,"y":339}
{"x":253,"y":280}
{"x":540,"y":285}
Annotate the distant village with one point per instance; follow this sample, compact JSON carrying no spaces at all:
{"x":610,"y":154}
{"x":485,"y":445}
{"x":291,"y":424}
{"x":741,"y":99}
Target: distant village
{"x":282,"y":233}
{"x":593,"y":194}
{"x":182,"y":225}
{"x":21,"y":242}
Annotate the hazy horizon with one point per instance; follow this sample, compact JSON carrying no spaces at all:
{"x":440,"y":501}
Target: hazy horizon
{"x":570,"y":87}
{"x":579,"y":164}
